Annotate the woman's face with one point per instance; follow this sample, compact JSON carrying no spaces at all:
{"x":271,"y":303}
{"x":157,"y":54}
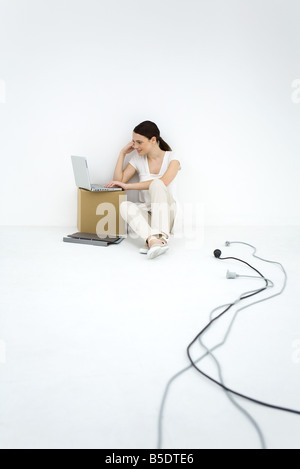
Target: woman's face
{"x":142,"y":144}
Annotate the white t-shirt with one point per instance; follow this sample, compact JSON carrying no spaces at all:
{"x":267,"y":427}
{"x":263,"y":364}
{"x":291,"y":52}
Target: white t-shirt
{"x":140,"y":163}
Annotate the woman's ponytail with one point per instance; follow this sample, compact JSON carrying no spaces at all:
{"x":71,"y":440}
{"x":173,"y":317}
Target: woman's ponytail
{"x":163,"y":145}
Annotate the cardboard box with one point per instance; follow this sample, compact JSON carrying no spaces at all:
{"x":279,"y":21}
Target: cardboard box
{"x":98,"y":212}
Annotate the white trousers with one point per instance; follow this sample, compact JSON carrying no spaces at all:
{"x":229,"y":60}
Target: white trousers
{"x":158,"y":221}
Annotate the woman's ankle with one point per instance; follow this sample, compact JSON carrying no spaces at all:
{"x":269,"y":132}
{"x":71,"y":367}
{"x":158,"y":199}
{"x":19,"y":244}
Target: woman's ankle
{"x":155,"y":239}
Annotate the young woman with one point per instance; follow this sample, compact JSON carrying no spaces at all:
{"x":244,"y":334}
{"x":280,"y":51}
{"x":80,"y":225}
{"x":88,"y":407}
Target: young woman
{"x":157,"y":166}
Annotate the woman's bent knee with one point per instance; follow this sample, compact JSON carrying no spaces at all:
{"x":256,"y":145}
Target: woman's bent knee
{"x":128,"y":208}
{"x":124,"y":208}
{"x":156,"y":183}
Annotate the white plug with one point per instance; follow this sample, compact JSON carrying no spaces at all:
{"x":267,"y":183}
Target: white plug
{"x":231,"y":274}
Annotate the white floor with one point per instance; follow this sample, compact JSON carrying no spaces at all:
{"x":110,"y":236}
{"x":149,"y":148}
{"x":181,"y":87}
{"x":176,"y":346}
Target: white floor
{"x":90,"y":336}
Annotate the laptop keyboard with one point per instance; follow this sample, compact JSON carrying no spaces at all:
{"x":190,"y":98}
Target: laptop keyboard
{"x":98,"y":187}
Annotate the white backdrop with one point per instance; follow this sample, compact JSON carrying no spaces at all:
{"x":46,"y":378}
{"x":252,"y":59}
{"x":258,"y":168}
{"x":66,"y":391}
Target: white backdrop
{"x":219,"y":77}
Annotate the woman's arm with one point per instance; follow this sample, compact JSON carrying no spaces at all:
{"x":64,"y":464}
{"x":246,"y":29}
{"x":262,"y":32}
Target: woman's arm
{"x":126,"y":187}
{"x":167,"y":178}
{"x":142,"y":186}
{"x":171,"y":172}
{"x":118,"y":174}
{"x":134,"y":186}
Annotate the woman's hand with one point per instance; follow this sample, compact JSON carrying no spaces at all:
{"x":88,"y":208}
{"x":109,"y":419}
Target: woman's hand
{"x":117,"y":183}
{"x":128,"y":148}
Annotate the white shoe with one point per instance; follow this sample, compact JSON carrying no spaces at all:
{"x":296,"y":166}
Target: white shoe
{"x":159,"y":246}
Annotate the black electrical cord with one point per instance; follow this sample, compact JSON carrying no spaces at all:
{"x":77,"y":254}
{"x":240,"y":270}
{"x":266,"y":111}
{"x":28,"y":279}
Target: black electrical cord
{"x":208,"y":352}
{"x":243,"y":296}
{"x":217,"y":254}
{"x":210,"y":378}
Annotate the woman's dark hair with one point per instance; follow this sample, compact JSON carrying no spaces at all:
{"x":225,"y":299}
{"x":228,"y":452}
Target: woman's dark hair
{"x":149,"y":129}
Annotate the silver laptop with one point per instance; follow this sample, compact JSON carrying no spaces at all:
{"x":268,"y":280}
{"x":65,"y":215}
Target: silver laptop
{"x":82,"y":177}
